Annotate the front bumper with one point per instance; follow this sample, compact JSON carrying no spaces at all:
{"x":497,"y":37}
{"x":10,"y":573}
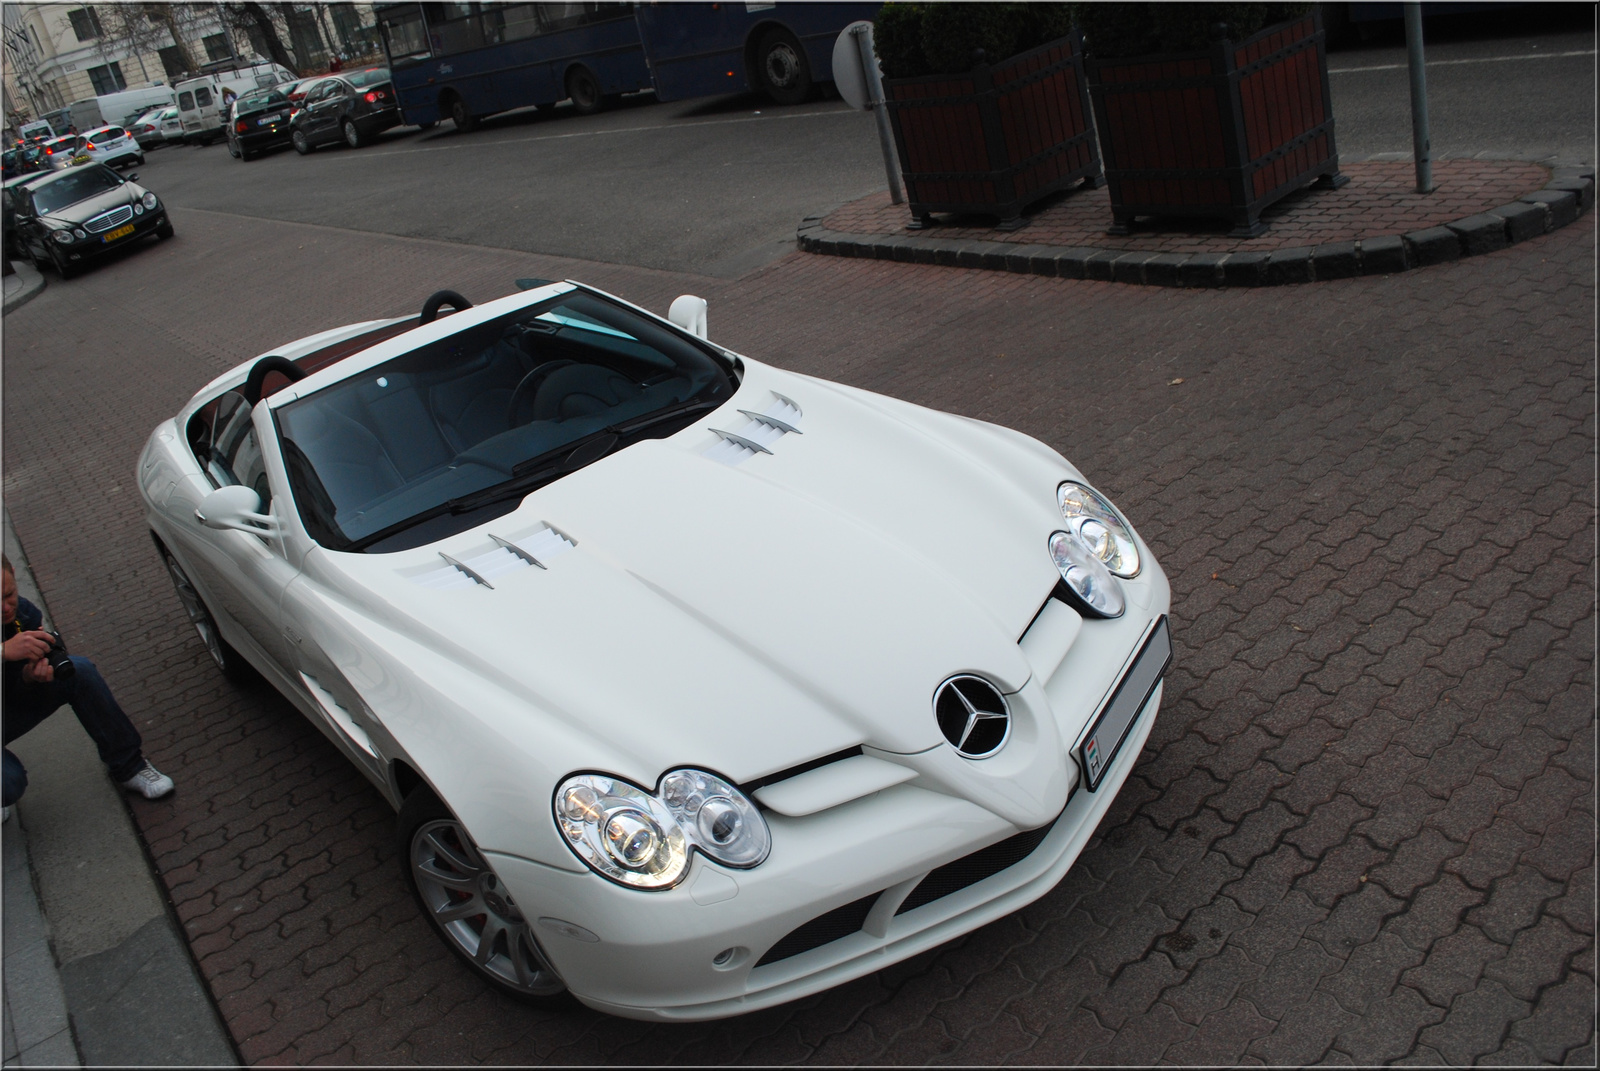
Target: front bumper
{"x":654,"y":955}
{"x":95,"y":246}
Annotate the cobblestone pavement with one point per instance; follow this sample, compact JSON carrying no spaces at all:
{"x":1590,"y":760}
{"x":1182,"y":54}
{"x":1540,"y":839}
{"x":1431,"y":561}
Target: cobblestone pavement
{"x":1380,"y":198}
{"x":1363,"y":828}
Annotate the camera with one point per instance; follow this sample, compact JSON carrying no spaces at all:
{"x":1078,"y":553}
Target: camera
{"x":58,"y":659}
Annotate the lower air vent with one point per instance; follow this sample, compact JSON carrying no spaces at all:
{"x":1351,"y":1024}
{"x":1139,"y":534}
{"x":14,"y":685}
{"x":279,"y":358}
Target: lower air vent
{"x":824,"y":929}
{"x":971,"y":869}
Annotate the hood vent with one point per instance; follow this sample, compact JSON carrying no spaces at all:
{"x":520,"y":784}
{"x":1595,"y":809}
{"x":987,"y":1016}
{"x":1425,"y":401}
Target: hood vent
{"x":504,"y":555}
{"x":758,"y":433}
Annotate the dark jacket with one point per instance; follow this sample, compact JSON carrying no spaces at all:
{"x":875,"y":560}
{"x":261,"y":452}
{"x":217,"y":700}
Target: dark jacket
{"x":28,"y":618}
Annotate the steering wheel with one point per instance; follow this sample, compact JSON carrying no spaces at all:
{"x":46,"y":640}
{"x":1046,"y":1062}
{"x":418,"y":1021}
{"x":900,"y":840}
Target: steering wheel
{"x":530,"y":386}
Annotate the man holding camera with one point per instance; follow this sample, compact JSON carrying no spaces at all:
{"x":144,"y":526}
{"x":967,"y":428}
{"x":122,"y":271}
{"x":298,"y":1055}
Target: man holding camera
{"x":40,"y":677}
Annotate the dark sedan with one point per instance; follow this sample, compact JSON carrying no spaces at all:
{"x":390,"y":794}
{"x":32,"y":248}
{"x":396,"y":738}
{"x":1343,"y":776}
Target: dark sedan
{"x":353,"y":107}
{"x":259,"y":121}
{"x":12,"y":194}
{"x":73,"y":216}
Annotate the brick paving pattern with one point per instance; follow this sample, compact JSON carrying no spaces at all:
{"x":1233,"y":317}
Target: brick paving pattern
{"x":1363,"y":828}
{"x":1380,"y":199}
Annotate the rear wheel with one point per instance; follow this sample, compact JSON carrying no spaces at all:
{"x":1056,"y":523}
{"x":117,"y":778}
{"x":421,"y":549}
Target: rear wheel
{"x":584,"y":89}
{"x":467,"y":904}
{"x":461,"y":116}
{"x":781,"y":67}
{"x":301,"y":145}
{"x":352,"y":135}
{"x":230,"y":661}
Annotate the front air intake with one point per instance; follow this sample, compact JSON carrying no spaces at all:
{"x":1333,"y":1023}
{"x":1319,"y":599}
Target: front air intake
{"x":824,"y":929}
{"x":971,"y":869}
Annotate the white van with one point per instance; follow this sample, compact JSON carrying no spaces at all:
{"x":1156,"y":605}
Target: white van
{"x":203,"y":100}
{"x":119,"y":109}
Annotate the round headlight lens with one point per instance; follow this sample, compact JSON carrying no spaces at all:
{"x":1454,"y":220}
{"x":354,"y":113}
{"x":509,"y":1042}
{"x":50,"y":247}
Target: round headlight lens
{"x":721,"y":820}
{"x":621,"y":831}
{"x":1091,"y":584}
{"x":149,"y":200}
{"x":64,"y":237}
{"x":1099,"y":528}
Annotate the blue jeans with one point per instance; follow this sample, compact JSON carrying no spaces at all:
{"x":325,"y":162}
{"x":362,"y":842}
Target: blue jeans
{"x":91,"y":700}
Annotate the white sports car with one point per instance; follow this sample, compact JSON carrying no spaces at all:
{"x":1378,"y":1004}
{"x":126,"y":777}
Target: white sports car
{"x":699,"y":685}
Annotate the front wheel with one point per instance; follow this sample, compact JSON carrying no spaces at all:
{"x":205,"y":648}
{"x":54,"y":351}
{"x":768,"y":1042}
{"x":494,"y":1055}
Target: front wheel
{"x":230,"y":661}
{"x":352,"y":135}
{"x":468,"y":906}
{"x":301,"y":145}
{"x":461,"y":116}
{"x":164,"y":231}
{"x":584,"y":89}
{"x":63,"y":269}
{"x":781,"y":68}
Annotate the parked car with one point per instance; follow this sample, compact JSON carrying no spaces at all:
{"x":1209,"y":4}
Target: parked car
{"x":22,"y":160}
{"x":258,"y":121}
{"x":204,"y":99}
{"x":59,"y":152}
{"x":110,"y":145}
{"x":12,"y":192}
{"x":699,"y":685}
{"x":353,"y":107}
{"x":146,"y":129}
{"x":71,"y":217}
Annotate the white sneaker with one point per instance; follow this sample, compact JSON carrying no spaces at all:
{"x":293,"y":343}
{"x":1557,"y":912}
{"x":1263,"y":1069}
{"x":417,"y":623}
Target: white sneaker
{"x":149,"y":782}
{"x":5,"y":814}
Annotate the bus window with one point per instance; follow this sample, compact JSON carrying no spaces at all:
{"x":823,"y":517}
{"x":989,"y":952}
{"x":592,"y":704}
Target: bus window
{"x":519,"y":21}
{"x":404,"y":34}
{"x":460,"y":30}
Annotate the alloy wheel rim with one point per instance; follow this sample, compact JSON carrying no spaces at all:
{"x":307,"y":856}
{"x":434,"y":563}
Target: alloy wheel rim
{"x":475,"y":911}
{"x":199,"y":616}
{"x":350,"y":136}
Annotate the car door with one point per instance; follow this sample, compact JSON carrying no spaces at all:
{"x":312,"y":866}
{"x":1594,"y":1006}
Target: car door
{"x":324,"y":112}
{"x":243,"y":574}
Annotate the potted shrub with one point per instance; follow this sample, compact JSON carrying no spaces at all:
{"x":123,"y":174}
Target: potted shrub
{"x":1209,"y":110}
{"x":979,"y":134}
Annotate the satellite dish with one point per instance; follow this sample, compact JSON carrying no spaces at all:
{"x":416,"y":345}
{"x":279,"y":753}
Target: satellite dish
{"x":848,"y":75}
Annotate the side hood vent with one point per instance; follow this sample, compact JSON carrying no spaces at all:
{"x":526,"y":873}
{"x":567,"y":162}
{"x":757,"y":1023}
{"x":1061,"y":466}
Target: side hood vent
{"x":758,"y":432}
{"x":502,"y":555}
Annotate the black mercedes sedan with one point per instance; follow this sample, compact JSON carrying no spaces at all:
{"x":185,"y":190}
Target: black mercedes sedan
{"x":73,"y":216}
{"x":353,"y":107}
{"x":259,"y":121}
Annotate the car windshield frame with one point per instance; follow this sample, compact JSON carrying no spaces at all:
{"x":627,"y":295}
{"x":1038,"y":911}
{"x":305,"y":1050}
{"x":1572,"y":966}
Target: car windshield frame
{"x":73,"y":181}
{"x":366,"y":79}
{"x":455,"y":432}
{"x":260,"y":100}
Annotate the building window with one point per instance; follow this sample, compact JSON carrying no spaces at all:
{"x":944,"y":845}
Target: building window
{"x":216,"y":46}
{"x":85,"y":23}
{"x":107,"y":79}
{"x":172,"y":61}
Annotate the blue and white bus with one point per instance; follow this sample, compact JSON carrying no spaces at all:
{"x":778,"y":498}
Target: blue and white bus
{"x":463,"y":61}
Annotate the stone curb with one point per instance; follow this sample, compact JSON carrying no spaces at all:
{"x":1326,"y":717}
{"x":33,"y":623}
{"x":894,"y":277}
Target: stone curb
{"x":32,"y":284}
{"x":1569,"y":193}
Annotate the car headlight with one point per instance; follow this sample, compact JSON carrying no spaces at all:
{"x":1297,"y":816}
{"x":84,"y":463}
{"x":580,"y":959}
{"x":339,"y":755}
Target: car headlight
{"x":149,"y":200}
{"x":138,"y":209}
{"x":64,"y":237}
{"x":643,"y":840}
{"x":1089,"y":583}
{"x":1099,"y":527}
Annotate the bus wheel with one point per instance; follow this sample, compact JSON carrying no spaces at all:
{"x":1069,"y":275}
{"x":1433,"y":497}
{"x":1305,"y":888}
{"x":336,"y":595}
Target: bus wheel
{"x":460,"y":116}
{"x":781,"y":67}
{"x":584,"y":89}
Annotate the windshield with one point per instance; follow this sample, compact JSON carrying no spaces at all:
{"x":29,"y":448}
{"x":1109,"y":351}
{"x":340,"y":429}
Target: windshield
{"x":78,"y":184}
{"x":456,"y":432}
{"x":260,"y":100}
{"x":370,"y":77}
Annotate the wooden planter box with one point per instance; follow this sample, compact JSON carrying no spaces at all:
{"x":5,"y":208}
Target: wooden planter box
{"x":1223,"y":132}
{"x":996,"y":138}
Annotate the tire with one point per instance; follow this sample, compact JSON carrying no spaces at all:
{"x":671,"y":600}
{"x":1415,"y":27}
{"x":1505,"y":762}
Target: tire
{"x":463,"y":119}
{"x":301,"y":145}
{"x":229,"y":660}
{"x":164,"y":231}
{"x":352,"y":134}
{"x":63,"y":269}
{"x":584,"y":89}
{"x":235,"y":151}
{"x":467,"y":905}
{"x":782,"y":70}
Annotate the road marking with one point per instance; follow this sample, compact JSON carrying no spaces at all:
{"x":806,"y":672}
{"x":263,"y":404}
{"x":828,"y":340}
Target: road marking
{"x":1458,"y":62}
{"x":599,"y":133}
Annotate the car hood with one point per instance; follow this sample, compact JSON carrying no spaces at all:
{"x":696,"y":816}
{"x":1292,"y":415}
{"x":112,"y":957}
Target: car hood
{"x":748,"y":617}
{"x":85,"y":210}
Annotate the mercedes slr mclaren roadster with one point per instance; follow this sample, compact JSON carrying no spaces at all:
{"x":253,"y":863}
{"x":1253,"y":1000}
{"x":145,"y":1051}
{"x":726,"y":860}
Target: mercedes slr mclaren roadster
{"x":699,"y":685}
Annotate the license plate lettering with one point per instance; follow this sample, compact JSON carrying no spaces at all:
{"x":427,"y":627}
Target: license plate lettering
{"x":264,"y":120}
{"x":121,"y":232}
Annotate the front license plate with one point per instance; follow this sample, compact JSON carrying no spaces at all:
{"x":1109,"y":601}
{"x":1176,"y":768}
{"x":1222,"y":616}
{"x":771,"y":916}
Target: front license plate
{"x":1110,"y":729}
{"x":120,"y":232}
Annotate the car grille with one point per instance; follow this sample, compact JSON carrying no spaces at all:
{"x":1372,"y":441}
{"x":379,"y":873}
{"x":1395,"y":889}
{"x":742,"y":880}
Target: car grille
{"x":110,"y":219}
{"x":824,"y":929}
{"x":971,"y":869}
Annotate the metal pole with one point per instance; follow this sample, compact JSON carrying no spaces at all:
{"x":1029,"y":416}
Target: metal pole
{"x":1421,"y":147}
{"x":869,"y":65}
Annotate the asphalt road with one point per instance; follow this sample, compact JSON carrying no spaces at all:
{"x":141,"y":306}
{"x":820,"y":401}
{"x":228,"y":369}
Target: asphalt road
{"x":716,"y":187}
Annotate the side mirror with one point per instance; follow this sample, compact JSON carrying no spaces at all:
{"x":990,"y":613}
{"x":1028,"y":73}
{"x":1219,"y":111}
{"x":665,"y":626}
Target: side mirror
{"x":131,"y":176}
{"x":235,"y":507}
{"x":689,"y":313}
